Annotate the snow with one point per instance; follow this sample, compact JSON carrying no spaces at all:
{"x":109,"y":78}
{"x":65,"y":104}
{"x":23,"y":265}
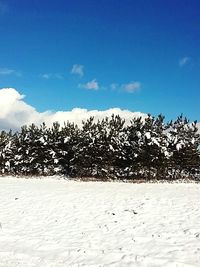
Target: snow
{"x":55,"y":222}
{"x":178,"y":146}
{"x":148,"y":135}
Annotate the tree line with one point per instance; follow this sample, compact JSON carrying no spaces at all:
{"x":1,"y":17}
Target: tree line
{"x":146,"y":148}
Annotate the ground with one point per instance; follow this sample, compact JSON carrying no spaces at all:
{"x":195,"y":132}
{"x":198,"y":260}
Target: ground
{"x":53,"y":223}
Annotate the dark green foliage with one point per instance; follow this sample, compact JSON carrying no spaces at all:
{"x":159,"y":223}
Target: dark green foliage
{"x":143,"y":149}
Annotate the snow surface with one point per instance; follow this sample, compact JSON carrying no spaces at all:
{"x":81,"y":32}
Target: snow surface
{"x":49,"y":222}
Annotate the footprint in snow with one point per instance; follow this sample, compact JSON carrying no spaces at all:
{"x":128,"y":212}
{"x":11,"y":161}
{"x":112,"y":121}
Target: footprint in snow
{"x":134,"y":212}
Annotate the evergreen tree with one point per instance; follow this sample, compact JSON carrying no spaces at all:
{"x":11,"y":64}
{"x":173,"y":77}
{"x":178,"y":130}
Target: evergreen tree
{"x":145,"y":148}
{"x":6,"y":152}
{"x":184,"y":146}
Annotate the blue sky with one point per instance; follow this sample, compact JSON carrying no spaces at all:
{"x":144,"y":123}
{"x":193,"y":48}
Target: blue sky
{"x":97,"y":54}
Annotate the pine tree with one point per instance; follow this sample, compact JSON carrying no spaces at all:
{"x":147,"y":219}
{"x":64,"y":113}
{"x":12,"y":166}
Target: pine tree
{"x":184,"y":145}
{"x":84,"y":158}
{"x":6,"y":156}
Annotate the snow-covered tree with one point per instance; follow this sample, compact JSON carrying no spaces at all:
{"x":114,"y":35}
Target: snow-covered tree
{"x":184,"y":142}
{"x":145,"y":148}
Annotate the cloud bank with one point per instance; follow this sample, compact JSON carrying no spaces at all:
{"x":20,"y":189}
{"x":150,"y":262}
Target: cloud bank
{"x":15,"y":112}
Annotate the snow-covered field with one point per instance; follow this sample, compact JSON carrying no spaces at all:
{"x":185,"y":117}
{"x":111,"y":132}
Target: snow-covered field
{"x":51,"y":222}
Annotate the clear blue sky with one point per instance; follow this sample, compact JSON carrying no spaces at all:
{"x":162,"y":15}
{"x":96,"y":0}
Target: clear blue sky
{"x":139,"y":55}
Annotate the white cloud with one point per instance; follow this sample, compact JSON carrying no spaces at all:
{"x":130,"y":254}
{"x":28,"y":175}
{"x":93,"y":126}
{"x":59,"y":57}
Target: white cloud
{"x":184,"y":61}
{"x":78,"y":69}
{"x":6,"y":71}
{"x":48,"y":76}
{"x":92,"y":85}
{"x":131,"y":87}
{"x":114,"y":86}
{"x":58,"y":76}
{"x":15,"y":112}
